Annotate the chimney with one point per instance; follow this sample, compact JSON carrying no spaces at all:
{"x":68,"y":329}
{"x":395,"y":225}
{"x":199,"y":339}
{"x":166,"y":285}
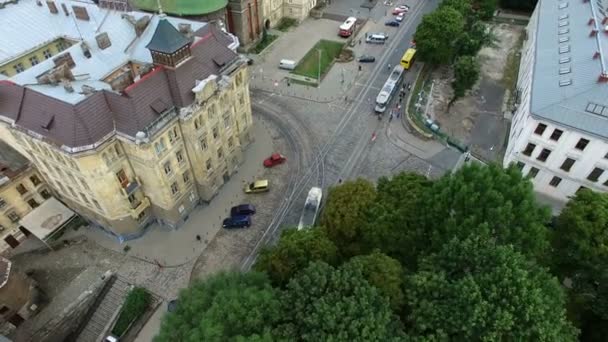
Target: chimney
{"x":141,"y":24}
{"x":87,"y":89}
{"x":185,"y":29}
{"x":85,"y":50}
{"x":103,"y":40}
{"x":67,"y":85}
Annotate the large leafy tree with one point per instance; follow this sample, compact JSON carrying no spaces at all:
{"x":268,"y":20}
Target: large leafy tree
{"x":436,"y":34}
{"x":487,"y":201}
{"x":382,"y":272}
{"x":486,"y":8}
{"x":466,"y":73}
{"x":397,"y":217}
{"x":346,"y":215}
{"x":293,"y":252}
{"x":327,"y":304}
{"x":476,"y":290}
{"x":580,"y":255}
{"x":227,"y":306}
{"x":462,"y":6}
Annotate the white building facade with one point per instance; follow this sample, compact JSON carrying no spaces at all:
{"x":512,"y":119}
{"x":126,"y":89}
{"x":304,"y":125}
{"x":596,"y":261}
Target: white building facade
{"x":559,"y":132}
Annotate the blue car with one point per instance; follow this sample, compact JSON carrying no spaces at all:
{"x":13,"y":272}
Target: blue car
{"x":242,"y":209}
{"x":393,"y":23}
{"x":238,"y":221}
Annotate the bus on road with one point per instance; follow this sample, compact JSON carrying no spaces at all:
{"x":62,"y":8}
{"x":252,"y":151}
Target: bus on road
{"x":348,"y":27}
{"x":408,"y":58}
{"x":389,"y":89}
{"x":311,"y":208}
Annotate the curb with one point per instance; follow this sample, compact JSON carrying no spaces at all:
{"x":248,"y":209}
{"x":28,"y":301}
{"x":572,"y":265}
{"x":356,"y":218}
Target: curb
{"x":407,"y":115}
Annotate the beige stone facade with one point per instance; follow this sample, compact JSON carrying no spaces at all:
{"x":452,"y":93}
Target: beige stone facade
{"x":123,"y":184}
{"x":275,"y":10}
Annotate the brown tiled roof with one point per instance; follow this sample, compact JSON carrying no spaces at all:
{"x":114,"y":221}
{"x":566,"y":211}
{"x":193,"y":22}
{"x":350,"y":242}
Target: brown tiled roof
{"x":129,"y":112}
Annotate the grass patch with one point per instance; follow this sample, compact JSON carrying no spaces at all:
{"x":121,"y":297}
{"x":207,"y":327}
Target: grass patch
{"x":266,"y":40}
{"x":135,"y":305}
{"x":286,"y":23}
{"x":309,"y":65}
{"x":421,"y":83}
{"x":511,"y":69}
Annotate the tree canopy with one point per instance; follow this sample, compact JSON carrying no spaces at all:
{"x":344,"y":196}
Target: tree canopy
{"x":487,"y":201}
{"x":226,"y":306}
{"x":580,"y":254}
{"x":436,"y":34}
{"x":477,"y":290}
{"x":382,"y":272}
{"x":326,"y":304}
{"x":346,"y":213}
{"x":293,"y":252}
{"x":466,"y":73}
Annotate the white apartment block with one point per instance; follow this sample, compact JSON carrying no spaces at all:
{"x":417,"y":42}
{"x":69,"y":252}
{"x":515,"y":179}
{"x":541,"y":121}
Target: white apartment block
{"x":559,"y":132}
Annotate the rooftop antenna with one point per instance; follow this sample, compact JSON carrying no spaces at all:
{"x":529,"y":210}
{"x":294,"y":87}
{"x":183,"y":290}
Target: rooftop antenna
{"x":160,"y":9}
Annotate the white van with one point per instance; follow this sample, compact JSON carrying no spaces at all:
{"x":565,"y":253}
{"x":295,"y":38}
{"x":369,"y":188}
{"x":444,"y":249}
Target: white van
{"x":287,"y":64}
{"x":375,"y":38}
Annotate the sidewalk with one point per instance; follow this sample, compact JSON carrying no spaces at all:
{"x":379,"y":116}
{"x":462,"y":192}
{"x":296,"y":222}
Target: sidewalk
{"x":173,"y":248}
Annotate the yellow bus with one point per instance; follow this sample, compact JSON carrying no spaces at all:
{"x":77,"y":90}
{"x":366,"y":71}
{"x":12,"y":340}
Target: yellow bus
{"x":408,"y":58}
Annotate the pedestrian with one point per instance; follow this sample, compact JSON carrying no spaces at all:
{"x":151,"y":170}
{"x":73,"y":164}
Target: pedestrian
{"x":345,"y":98}
{"x":389,"y":66}
{"x":198,"y":238}
{"x":409,"y":87}
{"x":390,"y":118}
{"x":339,"y":180}
{"x":398,"y":114}
{"x":359,"y":67}
{"x":399,"y":107}
{"x":359,"y":41}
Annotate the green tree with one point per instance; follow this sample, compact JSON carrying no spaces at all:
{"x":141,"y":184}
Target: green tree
{"x":346,"y":215}
{"x":436,"y":34}
{"x":293,"y":252}
{"x":486,"y":201}
{"x":462,"y":6}
{"x":397,"y":217}
{"x":475,"y":290}
{"x":524,"y":5}
{"x":326,"y":304}
{"x":580,"y":254}
{"x":466,"y":73}
{"x":239,"y":306}
{"x":382,"y":272}
{"x":486,"y":8}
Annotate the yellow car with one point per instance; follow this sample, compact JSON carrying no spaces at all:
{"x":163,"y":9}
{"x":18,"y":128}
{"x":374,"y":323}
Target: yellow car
{"x":257,"y":186}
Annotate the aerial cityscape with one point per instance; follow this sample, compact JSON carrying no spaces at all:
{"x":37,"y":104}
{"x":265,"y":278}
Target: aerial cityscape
{"x":303,"y":170}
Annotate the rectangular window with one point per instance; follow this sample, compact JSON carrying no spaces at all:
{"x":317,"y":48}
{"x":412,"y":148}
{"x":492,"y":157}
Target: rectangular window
{"x":167,"y":168}
{"x":211,"y":113}
{"x":21,"y":189}
{"x":174,"y":188}
{"x":595,"y":174}
{"x":557,"y":133}
{"x":47,"y":54}
{"x":34,"y":60}
{"x":208,"y":165}
{"x":529,"y":149}
{"x":72,"y":192}
{"x":540,"y":129}
{"x":227,"y":121}
{"x":173,"y":137}
{"x":35,"y":180}
{"x":204,"y":144}
{"x":32,"y":202}
{"x":533,"y":172}
{"x":216,"y":132}
{"x":555,"y":181}
{"x":18,"y":67}
{"x":122,"y":178}
{"x":97,"y":205}
{"x":230,"y":142}
{"x":180,"y":157}
{"x":581,"y":144}
{"x":567,"y":164}
{"x":520,"y":165}
{"x":84,"y":198}
{"x":186,"y":177}
{"x":45,"y":194}
{"x":220,"y":153}
{"x":2,"y":203}
{"x":544,"y":154}
{"x":84,"y":184}
{"x":159,"y":147}
{"x":13,"y":216}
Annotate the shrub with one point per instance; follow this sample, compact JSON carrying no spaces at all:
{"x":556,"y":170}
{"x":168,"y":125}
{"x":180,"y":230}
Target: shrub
{"x":135,"y":305}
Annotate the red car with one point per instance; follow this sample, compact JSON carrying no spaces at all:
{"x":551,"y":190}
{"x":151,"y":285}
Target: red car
{"x":401,"y":9}
{"x":274,"y":159}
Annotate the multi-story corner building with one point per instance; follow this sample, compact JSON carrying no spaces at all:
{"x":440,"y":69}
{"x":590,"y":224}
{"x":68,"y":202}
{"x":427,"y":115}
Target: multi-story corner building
{"x":559,"y":132}
{"x":22,"y":189}
{"x":19,"y":297}
{"x":139,"y":120}
{"x":275,"y":10}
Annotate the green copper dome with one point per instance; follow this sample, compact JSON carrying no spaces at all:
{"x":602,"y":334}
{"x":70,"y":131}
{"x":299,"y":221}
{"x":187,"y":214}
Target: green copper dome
{"x":182,"y":7}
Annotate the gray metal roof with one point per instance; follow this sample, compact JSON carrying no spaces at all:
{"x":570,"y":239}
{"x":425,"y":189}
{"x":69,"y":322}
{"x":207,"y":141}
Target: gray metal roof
{"x":166,"y":38}
{"x":571,"y":57}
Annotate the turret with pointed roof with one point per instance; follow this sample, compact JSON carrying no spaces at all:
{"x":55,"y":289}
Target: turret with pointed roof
{"x":168,"y":46}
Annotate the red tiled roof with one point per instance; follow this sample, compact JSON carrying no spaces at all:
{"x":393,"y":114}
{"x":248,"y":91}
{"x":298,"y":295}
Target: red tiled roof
{"x":129,"y":112}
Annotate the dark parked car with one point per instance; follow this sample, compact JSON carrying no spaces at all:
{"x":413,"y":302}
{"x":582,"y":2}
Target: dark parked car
{"x":243,"y":209}
{"x":366,"y":59}
{"x":393,"y":23}
{"x":239,"y":221}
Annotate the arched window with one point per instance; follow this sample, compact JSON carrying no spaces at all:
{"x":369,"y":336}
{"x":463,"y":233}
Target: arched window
{"x":117,"y":150}
{"x":105,"y":158}
{"x":197,"y":123}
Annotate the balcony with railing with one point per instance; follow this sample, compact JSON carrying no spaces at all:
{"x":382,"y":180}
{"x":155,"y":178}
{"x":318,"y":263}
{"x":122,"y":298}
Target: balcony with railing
{"x":129,"y":186}
{"x":138,"y":206}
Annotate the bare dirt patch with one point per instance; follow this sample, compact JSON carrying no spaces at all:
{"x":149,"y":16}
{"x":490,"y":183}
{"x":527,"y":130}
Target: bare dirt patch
{"x":477,"y":119}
